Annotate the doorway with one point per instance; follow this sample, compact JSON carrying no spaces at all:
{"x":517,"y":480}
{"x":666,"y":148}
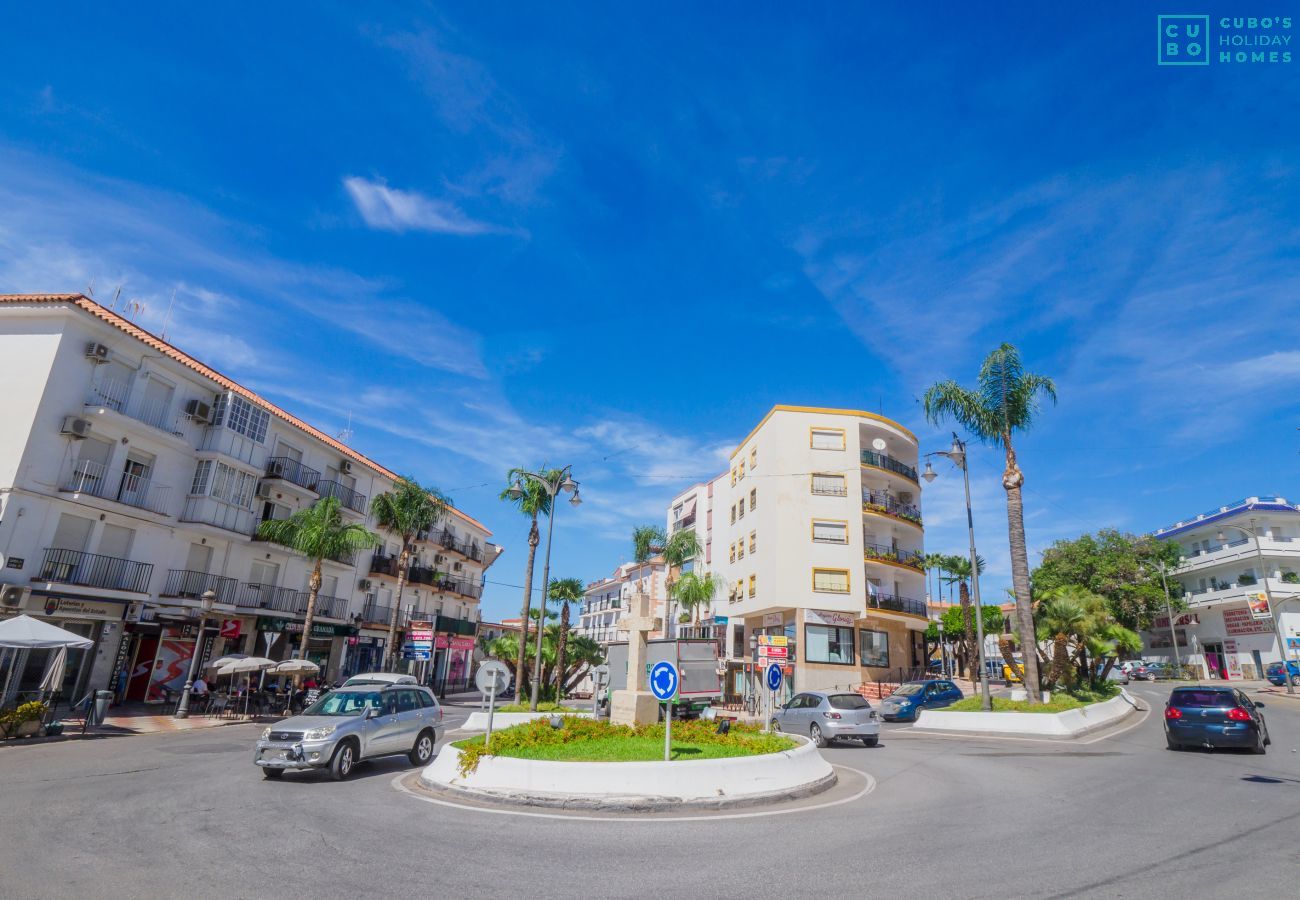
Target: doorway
{"x":1216,"y":662}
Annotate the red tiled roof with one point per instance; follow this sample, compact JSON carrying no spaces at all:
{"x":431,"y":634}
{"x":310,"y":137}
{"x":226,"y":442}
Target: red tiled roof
{"x":180,"y":356}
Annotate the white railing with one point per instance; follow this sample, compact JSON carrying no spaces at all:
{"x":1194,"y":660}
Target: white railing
{"x":89,"y":477}
{"x":113,"y":394}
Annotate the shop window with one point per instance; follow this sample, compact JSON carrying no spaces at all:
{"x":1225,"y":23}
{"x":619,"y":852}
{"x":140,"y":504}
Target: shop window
{"x":828,"y":644}
{"x":873,"y":648}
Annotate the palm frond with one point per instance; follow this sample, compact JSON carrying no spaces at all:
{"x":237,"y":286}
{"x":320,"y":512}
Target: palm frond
{"x":318,"y":532}
{"x":647,"y":541}
{"x":948,"y":398}
{"x":409,"y":509}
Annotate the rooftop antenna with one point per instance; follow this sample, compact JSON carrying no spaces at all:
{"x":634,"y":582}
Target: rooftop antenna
{"x":346,"y":434}
{"x":116,"y":294}
{"x":90,"y":288}
{"x":168,"y":318}
{"x":133,"y":308}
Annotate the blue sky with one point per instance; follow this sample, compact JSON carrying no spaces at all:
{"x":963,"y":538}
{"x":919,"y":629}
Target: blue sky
{"x":615,"y":237}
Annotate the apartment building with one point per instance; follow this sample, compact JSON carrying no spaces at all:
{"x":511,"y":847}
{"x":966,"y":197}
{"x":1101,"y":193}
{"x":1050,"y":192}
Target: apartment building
{"x":133,"y":479}
{"x":1225,"y":629}
{"x":815,"y":533}
{"x":608,"y":601}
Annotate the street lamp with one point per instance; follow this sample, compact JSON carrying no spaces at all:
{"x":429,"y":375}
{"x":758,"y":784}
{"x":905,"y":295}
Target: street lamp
{"x":206,"y":602}
{"x":561,"y":482}
{"x":1173,"y":635}
{"x":1268,"y":596}
{"x":957,"y":455}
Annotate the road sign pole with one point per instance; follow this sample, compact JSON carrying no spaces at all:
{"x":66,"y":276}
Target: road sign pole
{"x":668,"y":730}
{"x":492,"y":706}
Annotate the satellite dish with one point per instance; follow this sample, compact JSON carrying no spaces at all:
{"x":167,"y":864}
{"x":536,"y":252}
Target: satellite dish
{"x":879,"y":444}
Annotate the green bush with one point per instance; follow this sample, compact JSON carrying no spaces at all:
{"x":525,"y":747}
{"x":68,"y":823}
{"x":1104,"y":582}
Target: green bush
{"x":25,"y":713}
{"x":541,"y":707}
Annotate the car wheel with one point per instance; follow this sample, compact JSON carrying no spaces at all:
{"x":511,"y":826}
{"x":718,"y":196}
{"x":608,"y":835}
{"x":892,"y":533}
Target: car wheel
{"x":1295,"y":679}
{"x":870,"y":741}
{"x":422,"y":752}
{"x":1173,"y":745}
{"x":818,"y":738}
{"x":1260,"y":746}
{"x":345,"y":757}
{"x":273,"y":774}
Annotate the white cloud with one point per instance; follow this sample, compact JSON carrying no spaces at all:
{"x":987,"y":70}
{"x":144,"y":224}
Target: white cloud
{"x":391,"y":209}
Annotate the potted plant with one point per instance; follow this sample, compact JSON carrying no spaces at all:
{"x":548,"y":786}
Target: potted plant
{"x":24,"y":721}
{"x":1245,"y":579}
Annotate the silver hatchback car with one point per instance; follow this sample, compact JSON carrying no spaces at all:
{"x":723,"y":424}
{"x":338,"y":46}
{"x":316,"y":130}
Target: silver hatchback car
{"x":827,"y":715}
{"x":351,"y":724}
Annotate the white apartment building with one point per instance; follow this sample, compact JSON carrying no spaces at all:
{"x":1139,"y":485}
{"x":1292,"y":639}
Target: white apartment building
{"x":132,"y":481}
{"x":1221,"y":576}
{"x":815,"y":532}
{"x":606,"y":602}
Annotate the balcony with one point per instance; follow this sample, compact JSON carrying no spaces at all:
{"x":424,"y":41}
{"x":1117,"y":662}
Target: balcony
{"x":894,"y":603}
{"x":451,"y":625}
{"x":466,"y":548}
{"x":75,"y":567}
{"x":422,"y":575}
{"x":292,"y":471}
{"x":327,"y":606}
{"x":187,"y":583}
{"x":347,"y":497}
{"x":383,"y":565}
{"x":460,"y":586}
{"x":828,"y":487}
{"x":894,"y":555}
{"x":94,"y":479}
{"x":889,"y":505}
{"x":373,"y":612}
{"x":159,"y":413}
{"x":889,"y":464}
{"x":205,"y":510}
{"x":267,"y":596}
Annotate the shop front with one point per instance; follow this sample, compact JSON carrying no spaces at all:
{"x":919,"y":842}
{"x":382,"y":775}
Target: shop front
{"x":95,"y":618}
{"x":451,"y":663}
{"x":365,"y":652}
{"x":326,"y":645}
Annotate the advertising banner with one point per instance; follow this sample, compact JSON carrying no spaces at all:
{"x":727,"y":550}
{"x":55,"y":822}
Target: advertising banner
{"x":171,"y":665}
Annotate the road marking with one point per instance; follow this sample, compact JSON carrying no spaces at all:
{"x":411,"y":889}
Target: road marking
{"x":867,"y":789}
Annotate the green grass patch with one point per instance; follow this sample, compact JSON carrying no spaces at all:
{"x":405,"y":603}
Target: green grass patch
{"x":541,"y":707}
{"x":1059,"y":703}
{"x":589,"y":740}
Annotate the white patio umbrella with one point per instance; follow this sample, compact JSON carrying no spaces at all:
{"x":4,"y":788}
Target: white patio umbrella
{"x":226,"y":660}
{"x":296,"y":667}
{"x":52,"y":680}
{"x":247,"y":665}
{"x":27,"y":633}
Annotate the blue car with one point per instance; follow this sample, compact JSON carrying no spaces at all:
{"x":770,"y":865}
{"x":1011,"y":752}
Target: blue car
{"x":1274,"y":673}
{"x":1214,"y":717}
{"x":904,"y":704}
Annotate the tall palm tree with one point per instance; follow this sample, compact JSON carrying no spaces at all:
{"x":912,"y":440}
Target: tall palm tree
{"x":649,"y":541}
{"x":933,"y":562}
{"x":564,"y":591}
{"x":534,"y":502}
{"x":406,"y":511}
{"x":317,"y":532}
{"x":958,"y":571}
{"x":1004,"y":401}
{"x":693,"y":591}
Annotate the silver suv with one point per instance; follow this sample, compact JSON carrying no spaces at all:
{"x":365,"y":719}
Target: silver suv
{"x":351,"y":724}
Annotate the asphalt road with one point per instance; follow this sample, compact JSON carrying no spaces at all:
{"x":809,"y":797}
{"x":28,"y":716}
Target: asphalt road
{"x":187,"y":815}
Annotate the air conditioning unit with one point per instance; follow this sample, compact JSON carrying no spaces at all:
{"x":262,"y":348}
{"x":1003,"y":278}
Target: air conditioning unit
{"x":97,"y":352}
{"x":264,"y":489}
{"x":365,"y":584}
{"x":12,"y":595}
{"x":198,"y":411}
{"x":345,"y":467}
{"x":456,"y":566}
{"x":275,"y":469}
{"x":77,"y":427}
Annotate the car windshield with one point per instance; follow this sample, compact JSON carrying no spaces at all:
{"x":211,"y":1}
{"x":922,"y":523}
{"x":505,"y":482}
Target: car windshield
{"x":908,"y":690}
{"x":848,"y":701}
{"x":345,"y":703}
{"x":1198,"y":699}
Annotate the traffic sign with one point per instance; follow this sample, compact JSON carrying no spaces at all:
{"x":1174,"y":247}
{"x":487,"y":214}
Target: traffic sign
{"x":774,"y":677}
{"x":600,"y":674}
{"x":663,"y":681}
{"x":409,"y":652}
{"x":773,"y":652}
{"x":492,"y":677}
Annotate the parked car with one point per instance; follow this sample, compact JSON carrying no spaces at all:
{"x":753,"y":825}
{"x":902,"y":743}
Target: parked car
{"x":349,"y":725}
{"x":1214,"y":717}
{"x":827,"y":716}
{"x":379,"y":678}
{"x":1156,"y":671}
{"x":1273,"y":672}
{"x":911,"y":697}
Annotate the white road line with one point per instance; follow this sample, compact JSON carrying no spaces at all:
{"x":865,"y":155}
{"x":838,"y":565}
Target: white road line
{"x":867,"y":789}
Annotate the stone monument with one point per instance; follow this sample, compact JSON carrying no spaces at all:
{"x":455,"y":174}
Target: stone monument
{"x":636,"y":705}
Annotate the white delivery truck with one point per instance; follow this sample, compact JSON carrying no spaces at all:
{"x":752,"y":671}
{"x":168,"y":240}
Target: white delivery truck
{"x":696,"y":660}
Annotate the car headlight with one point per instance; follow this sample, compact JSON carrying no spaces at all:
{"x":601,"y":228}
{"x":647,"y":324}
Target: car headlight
{"x":266,"y":734}
{"x":317,"y":734}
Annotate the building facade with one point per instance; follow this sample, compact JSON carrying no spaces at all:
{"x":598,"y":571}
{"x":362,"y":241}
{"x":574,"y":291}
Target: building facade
{"x":816,"y":536}
{"x":608,"y":601}
{"x":133,"y":479}
{"x":1222,"y":579}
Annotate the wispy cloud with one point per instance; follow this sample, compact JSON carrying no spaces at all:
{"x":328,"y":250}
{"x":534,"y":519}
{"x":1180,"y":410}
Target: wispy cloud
{"x":392,"y":209}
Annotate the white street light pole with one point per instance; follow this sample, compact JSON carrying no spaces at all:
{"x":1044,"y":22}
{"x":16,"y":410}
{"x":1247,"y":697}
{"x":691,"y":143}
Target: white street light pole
{"x":207,"y":601}
{"x":1268,"y":597}
{"x":1173,"y":635}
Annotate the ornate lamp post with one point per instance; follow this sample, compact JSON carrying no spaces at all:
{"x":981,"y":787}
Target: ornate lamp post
{"x":206,"y":602}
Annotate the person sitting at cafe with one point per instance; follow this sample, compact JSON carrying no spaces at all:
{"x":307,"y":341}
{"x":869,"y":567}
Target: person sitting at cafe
{"x":200,"y":687}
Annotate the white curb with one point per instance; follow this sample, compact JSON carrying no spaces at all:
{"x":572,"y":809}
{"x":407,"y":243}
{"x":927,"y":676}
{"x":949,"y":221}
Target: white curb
{"x":1071,"y":723}
{"x":477,"y":721}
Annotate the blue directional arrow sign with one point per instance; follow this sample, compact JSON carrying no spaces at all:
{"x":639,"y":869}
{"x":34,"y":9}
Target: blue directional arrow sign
{"x":663,"y":681}
{"x":773,"y":677}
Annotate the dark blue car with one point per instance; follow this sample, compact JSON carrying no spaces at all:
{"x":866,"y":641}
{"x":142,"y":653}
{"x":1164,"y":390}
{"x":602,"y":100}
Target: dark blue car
{"x":913,"y":696}
{"x":1214,"y":717}
{"x":1274,"y":673}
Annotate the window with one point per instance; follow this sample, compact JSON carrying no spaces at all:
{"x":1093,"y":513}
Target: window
{"x":873,"y":648}
{"x":241,"y":417}
{"x":741,"y":507}
{"x":741,"y":471}
{"x":740,"y":549}
{"x":753,"y":541}
{"x":233,"y":486}
{"x":828,"y":644}
{"x":827,"y":438}
{"x":753,"y":459}
{"x":848,"y":701}
{"x":201,"y":474}
{"x":753,"y":585}
{"x":733,"y":514}
{"x":831,"y":581}
{"x":825,"y":531}
{"x":753,"y":499}
{"x":831,"y":485}
{"x":732,"y":553}
{"x":733,"y":477}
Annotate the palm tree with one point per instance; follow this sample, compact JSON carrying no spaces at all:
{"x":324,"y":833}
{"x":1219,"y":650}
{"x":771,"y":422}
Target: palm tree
{"x":533,"y":502}
{"x":649,"y":541}
{"x":406,"y":511}
{"x":693,"y":591}
{"x":933,"y":562}
{"x":1063,"y":617}
{"x":958,"y":572}
{"x":564,"y":591}
{"x":1004,"y":401}
{"x":317,"y":532}
{"x":582,"y":653}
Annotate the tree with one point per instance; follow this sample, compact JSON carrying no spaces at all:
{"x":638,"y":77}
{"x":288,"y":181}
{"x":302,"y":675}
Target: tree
{"x":1123,"y":568}
{"x":958,"y":572}
{"x":317,"y":532}
{"x":693,"y":591}
{"x":406,"y":511}
{"x":1082,"y":632}
{"x":564,"y":591}
{"x":959,"y":629}
{"x":933,"y":562}
{"x":534,"y":502}
{"x":1004,"y":401}
{"x":649,"y":541}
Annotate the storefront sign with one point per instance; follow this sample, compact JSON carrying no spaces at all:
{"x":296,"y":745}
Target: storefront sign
{"x":827,"y":617}
{"x":772,"y":619}
{"x":1183,"y":619}
{"x":1234,"y":661}
{"x":765,"y":652}
{"x":1240,"y":621}
{"x":230,"y":629}
{"x":443,"y":641}
{"x":462,"y":643}
{"x":1259,"y":608}
{"x":75,"y":607}
{"x":772,"y":640}
{"x":15,"y":562}
{"x":318,"y":629}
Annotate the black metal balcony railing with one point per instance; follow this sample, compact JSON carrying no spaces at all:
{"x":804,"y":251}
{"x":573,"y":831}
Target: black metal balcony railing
{"x":452,"y":625}
{"x":466,"y":548}
{"x":896,"y":604}
{"x":830,"y":487}
{"x":327,"y":607}
{"x":374,"y":612}
{"x":460,"y":586}
{"x":267,"y":596}
{"x":884,"y":502}
{"x":422,"y":575}
{"x":381,"y":564}
{"x":347,"y":497}
{"x":293,"y":471}
{"x":881,"y":553}
{"x":888,"y":463}
{"x":187,"y":583}
{"x":88,"y":569}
